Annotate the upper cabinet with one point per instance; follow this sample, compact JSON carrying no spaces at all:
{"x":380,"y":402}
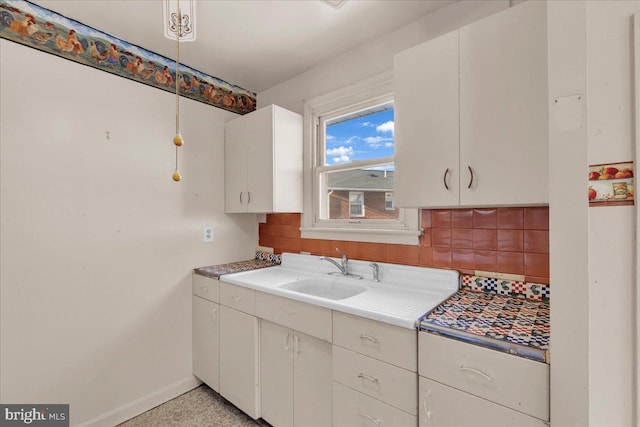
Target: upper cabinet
{"x":472,"y":115}
{"x":263,"y":162}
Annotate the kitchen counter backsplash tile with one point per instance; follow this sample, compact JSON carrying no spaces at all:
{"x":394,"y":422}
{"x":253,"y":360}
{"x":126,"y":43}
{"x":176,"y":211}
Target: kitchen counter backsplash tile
{"x":261,"y":260}
{"x":533,"y":291}
{"x":513,"y":240}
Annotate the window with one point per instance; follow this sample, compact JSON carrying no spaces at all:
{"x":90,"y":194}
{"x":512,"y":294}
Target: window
{"x":356,"y":203}
{"x":349,"y":140}
{"x":388,"y":201}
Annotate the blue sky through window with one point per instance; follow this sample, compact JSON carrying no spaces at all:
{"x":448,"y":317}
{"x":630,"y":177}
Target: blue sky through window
{"x":363,"y":138}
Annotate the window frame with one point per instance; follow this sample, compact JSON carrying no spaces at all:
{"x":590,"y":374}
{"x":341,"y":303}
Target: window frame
{"x":370,"y":92}
{"x":361,"y":204}
{"x":393,"y":201}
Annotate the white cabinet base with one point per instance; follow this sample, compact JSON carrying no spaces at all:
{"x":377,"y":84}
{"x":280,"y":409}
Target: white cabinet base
{"x":444,"y":406}
{"x":239,"y":360}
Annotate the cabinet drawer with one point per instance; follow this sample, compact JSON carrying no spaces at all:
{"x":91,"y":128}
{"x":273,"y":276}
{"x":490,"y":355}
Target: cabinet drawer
{"x":206,"y":287}
{"x":388,"y":383}
{"x":306,"y":318}
{"x":381,"y":341}
{"x":441,"y":405}
{"x":512,"y":381}
{"x":351,"y":408}
{"x":237,"y":297}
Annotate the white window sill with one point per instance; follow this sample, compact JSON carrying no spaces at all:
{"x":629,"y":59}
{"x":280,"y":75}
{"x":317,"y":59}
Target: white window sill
{"x":399,"y":237}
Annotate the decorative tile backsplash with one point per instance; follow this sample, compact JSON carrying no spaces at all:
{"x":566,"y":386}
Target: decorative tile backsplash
{"x":512,"y":240}
{"x":265,"y":256}
{"x":533,"y":291}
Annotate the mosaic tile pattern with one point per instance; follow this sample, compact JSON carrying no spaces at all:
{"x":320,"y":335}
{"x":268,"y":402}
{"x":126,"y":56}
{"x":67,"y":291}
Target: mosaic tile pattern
{"x":215,"y":271}
{"x":264,"y":256}
{"x":533,"y":291}
{"x":514,"y":319}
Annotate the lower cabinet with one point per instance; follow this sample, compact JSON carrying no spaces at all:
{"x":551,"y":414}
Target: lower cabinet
{"x":442,"y":405}
{"x":374,"y":373}
{"x":206,"y":341}
{"x":463,"y":384}
{"x":206,"y":330}
{"x":239,"y":360}
{"x":352,"y":408}
{"x":295,"y":377}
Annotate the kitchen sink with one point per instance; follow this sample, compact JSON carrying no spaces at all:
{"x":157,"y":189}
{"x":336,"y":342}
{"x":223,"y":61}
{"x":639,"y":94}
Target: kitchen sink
{"x":325,"y":288}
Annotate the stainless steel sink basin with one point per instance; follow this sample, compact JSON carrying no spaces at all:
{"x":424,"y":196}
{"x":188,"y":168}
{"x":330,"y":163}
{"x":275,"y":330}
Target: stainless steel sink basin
{"x":325,"y":288}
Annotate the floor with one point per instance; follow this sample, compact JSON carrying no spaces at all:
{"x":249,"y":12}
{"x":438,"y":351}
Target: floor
{"x":200,"y":407}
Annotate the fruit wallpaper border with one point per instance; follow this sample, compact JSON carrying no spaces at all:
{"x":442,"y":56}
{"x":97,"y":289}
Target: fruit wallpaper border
{"x":34,"y":26}
{"x":611,"y":184}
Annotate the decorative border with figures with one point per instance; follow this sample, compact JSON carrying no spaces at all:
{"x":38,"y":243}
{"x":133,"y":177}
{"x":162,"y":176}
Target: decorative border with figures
{"x":34,"y":26}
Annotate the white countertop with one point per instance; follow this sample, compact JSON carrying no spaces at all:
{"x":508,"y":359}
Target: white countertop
{"x":401,"y":297}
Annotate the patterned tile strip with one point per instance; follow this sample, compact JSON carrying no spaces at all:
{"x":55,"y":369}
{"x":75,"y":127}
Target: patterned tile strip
{"x":215,"y":271}
{"x":533,"y":291}
{"x":265,"y":256}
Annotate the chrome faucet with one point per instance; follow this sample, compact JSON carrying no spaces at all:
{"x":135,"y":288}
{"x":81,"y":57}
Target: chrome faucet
{"x":343,"y":266}
{"x":376,"y":271}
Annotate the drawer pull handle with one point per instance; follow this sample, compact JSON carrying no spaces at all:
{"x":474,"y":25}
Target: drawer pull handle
{"x":377,"y":421}
{"x":214,"y":312}
{"x":471,"y":180}
{"x":444,"y":179}
{"x":369,"y":338}
{"x":236,"y":298}
{"x":426,"y":404}
{"x":368,"y":377}
{"x":286,"y":341}
{"x":475,"y":371}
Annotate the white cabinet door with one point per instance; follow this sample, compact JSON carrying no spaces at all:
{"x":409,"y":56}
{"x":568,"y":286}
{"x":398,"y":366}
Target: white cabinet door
{"x":312,"y":381}
{"x":263,"y":162}
{"x":239,"y":360}
{"x":444,"y":406}
{"x":426,"y":105}
{"x":295,"y":377}
{"x":503,"y":108}
{"x":235,"y":167}
{"x":206,"y":341}
{"x":276,"y":374}
{"x":260,"y":142}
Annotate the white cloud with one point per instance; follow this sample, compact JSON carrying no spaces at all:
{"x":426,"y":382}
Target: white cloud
{"x":388,"y":144}
{"x":367,"y":124}
{"x":330,"y":137}
{"x":340,"y":154}
{"x":378,"y":141}
{"x":386,"y":127}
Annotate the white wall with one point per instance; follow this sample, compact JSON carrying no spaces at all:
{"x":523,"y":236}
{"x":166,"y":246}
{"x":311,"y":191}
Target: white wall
{"x":375,"y":57}
{"x":97,"y":243}
{"x":610,"y":124}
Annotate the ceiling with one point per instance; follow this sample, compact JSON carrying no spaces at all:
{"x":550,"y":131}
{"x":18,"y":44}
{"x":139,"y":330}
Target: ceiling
{"x":255,"y":44}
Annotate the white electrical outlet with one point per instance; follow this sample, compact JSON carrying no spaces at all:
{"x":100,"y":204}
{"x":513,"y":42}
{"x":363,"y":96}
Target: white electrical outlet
{"x":207,"y":233}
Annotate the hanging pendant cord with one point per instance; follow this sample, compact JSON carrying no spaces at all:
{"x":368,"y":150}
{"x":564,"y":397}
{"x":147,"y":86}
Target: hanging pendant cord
{"x":178,"y":67}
